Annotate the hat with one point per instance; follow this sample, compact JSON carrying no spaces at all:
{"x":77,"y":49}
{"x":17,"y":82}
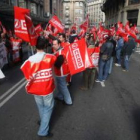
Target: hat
{"x":105,"y":36}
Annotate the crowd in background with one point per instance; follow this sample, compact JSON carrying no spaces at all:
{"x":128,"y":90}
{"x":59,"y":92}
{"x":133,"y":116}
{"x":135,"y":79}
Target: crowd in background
{"x":113,"y":49}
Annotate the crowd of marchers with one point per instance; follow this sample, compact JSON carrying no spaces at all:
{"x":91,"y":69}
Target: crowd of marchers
{"x":40,"y":65}
{"x":50,"y":54}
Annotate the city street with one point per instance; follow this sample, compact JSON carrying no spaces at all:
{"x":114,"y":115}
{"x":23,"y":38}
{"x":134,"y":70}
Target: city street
{"x":103,"y":113}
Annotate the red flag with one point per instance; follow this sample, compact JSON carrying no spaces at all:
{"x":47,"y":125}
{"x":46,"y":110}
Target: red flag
{"x":94,"y":29}
{"x":55,"y":32}
{"x":78,"y":58}
{"x":85,"y":24}
{"x":94,"y":32}
{"x":48,"y":30}
{"x":56,"y":23}
{"x":74,"y":27}
{"x":121,"y":32}
{"x":127,"y":27}
{"x":19,"y":23}
{"x":31,"y":30}
{"x":38,"y":29}
{"x":102,"y":32}
{"x":112,"y":31}
{"x":94,"y":55}
{"x":82,"y":33}
{"x":51,"y":30}
{"x":137,"y":40}
{"x":133,"y":31}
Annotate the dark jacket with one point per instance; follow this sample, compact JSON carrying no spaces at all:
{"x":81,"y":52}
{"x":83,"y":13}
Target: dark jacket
{"x":73,"y":37}
{"x":128,"y":47}
{"x":106,"y":48}
{"x":114,"y":46}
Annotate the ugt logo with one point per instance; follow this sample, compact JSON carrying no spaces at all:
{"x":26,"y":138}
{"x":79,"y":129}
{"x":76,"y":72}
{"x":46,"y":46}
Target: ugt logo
{"x":20,"y":24}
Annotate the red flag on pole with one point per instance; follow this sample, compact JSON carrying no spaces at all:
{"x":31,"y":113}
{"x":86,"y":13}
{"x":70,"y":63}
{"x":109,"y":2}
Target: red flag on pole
{"x":56,"y":23}
{"x":31,"y":30}
{"x":74,"y":27}
{"x":78,"y":58}
{"x":24,"y":27}
{"x":127,"y":27}
{"x":38,"y":29}
{"x":20,"y":24}
{"x":121,"y":32}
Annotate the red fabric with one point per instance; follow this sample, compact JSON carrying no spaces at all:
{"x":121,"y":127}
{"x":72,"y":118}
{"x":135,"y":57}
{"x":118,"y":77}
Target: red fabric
{"x":43,"y":83}
{"x":127,"y":28}
{"x":49,"y":29}
{"x":94,"y":29}
{"x":31,"y":31}
{"x":121,"y":32}
{"x":135,"y":29}
{"x":138,"y":41}
{"x":102,"y":32}
{"x":94,"y":56}
{"x":85,"y":24}
{"x":112,"y":31}
{"x":56,"y":23}
{"x":132,"y":32}
{"x":38,"y":29}
{"x":68,"y":78}
{"x":82,"y":33}
{"x":20,"y":24}
{"x":65,"y":44}
{"x":94,"y":32}
{"x":74,"y":27}
{"x":64,"y":69}
{"x":78,"y":58}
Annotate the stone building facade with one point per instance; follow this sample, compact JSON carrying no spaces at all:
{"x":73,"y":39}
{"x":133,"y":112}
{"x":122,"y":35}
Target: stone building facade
{"x":95,"y":14}
{"x":7,"y":11}
{"x":74,"y":11}
{"x":122,"y":10}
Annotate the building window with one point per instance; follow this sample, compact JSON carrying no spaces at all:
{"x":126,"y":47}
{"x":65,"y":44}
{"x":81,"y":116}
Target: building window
{"x":79,"y":20}
{"x":67,"y":8}
{"x":76,"y":3}
{"x":67,"y":13}
{"x":133,"y":2}
{"x":81,"y":4}
{"x":132,"y":16}
{"x":78,"y":11}
{"x":22,"y":3}
{"x":33,"y":8}
{"x":41,"y":11}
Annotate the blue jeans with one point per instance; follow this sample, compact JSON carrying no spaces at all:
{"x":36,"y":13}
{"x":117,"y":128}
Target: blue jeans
{"x":110,"y":67}
{"x":45,"y":106}
{"x":126,"y":61}
{"x":118,"y":56}
{"x":103,"y":69}
{"x":63,"y":92}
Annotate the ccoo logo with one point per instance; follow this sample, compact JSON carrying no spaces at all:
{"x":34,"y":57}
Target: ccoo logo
{"x":20,"y":24}
{"x":74,"y":45}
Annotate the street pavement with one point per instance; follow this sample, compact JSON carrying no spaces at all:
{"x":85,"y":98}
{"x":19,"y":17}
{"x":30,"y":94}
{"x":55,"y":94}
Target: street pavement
{"x":103,"y":113}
